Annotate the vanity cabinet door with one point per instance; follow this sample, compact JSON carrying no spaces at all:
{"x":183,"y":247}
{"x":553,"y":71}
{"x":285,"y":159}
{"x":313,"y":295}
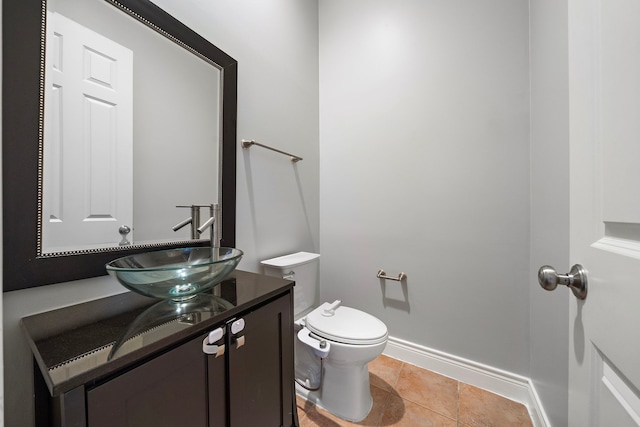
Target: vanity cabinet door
{"x":261,"y":367}
{"x":217,"y":391}
{"x":167,"y":391}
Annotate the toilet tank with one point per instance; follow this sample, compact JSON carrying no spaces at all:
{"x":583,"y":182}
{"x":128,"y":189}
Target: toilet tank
{"x":301,"y":267}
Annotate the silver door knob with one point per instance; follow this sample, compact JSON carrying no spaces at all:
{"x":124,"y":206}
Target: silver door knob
{"x":124,"y":230}
{"x":576,"y":279}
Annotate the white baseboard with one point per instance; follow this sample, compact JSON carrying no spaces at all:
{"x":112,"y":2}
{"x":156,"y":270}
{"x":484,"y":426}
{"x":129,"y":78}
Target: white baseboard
{"x":506,"y":384}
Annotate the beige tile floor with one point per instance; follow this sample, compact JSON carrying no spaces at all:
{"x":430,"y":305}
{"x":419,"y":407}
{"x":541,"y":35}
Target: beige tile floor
{"x":405,"y":395}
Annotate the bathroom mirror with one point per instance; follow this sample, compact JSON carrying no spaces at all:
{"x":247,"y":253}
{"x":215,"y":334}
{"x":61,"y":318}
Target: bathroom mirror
{"x":159,"y":182}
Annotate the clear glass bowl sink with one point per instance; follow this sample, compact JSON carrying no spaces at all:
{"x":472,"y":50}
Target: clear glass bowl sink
{"x":176,"y":274}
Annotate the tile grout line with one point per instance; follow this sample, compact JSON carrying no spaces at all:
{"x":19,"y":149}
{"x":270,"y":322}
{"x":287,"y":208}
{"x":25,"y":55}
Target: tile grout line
{"x":395,"y":383}
{"x":421,"y":404}
{"x":384,"y":408}
{"x":458,"y":404}
{"x":389,"y":393}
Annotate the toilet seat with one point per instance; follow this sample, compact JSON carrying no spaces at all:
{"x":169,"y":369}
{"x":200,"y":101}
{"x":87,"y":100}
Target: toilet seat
{"x":346,"y":325}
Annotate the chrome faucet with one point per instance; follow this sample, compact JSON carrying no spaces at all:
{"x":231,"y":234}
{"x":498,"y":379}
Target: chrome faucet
{"x":213,"y":223}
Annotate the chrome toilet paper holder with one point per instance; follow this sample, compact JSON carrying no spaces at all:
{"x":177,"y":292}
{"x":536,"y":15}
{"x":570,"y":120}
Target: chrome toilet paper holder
{"x":383,"y":275}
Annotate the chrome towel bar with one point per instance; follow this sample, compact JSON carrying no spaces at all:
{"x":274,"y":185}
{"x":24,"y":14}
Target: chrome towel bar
{"x":248,"y":143}
{"x":383,"y":275}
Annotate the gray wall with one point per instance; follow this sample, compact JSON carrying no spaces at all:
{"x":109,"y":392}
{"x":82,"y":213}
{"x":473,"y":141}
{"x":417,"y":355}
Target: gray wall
{"x":276,"y":45}
{"x":424,"y":124}
{"x":549,"y":203}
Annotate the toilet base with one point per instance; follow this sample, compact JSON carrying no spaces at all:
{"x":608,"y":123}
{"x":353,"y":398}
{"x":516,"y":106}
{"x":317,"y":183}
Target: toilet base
{"x":344,"y":393}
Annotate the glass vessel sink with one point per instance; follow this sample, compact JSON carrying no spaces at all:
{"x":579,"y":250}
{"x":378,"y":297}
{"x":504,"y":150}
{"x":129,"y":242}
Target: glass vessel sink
{"x":177,"y":274}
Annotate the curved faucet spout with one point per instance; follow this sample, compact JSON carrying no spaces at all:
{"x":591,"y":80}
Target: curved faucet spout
{"x":213,"y":224}
{"x":208,"y":223}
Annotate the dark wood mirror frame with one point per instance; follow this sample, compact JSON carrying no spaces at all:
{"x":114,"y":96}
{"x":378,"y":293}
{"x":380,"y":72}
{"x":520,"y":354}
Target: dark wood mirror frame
{"x":22,"y":102}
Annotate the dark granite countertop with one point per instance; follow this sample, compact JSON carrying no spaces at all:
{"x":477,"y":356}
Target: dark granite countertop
{"x":86,"y":342}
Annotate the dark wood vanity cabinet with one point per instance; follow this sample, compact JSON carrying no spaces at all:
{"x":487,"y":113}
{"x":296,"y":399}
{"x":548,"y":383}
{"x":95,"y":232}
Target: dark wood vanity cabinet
{"x":250,"y":384}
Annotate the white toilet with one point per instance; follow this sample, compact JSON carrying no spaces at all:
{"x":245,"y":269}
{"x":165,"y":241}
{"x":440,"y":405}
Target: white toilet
{"x":335,"y":343}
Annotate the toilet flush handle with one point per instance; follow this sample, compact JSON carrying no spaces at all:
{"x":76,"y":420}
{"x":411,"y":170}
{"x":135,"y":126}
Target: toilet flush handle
{"x":320,"y":346}
{"x":331,"y":309}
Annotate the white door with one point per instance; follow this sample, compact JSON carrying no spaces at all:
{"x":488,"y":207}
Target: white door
{"x":604,"y":87}
{"x":88,"y":170}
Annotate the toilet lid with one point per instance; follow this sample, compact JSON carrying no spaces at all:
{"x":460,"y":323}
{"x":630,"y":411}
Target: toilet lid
{"x":346,"y":325}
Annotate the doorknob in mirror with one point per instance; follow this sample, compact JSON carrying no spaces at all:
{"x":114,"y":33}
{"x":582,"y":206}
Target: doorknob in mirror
{"x":576,"y":279}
